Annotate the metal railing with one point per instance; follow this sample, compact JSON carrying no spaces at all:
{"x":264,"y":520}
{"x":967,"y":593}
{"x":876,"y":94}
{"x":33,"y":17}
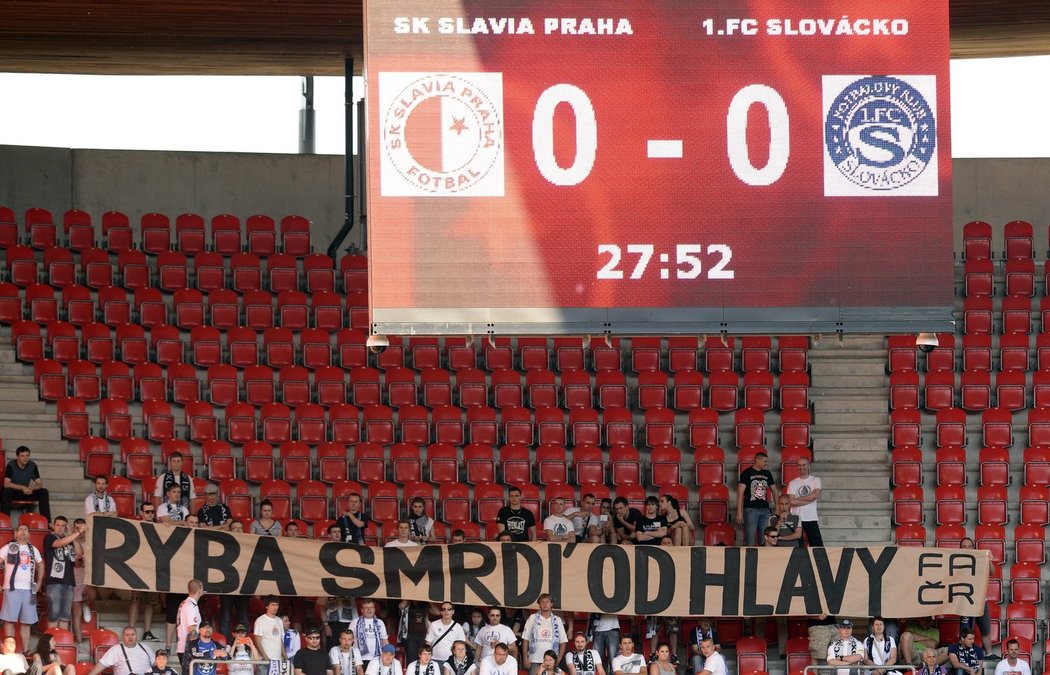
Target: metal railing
{"x":284,"y":667}
{"x":858,"y":669}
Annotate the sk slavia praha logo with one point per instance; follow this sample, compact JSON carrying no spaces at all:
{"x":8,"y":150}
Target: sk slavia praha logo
{"x":880,"y":136}
{"x":441,"y":134}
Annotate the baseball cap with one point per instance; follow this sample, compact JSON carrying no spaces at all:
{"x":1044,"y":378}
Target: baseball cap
{"x":845,"y":623}
{"x":205,"y":623}
{"x":389,"y":649}
{"x":312,"y":630}
{"x":240,"y":628}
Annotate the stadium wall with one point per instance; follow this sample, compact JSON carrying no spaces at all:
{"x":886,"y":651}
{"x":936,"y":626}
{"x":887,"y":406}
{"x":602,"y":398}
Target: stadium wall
{"x":136,"y":182}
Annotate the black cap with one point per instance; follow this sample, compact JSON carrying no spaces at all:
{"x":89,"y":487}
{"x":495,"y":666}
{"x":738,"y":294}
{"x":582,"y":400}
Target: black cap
{"x":845,"y":623}
{"x":240,"y":628}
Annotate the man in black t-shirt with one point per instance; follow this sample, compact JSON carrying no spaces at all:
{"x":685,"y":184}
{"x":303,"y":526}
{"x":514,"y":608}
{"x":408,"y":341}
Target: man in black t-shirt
{"x":515,"y":519}
{"x":214,"y":514}
{"x":625,"y":520}
{"x":756,"y":497}
{"x":22,"y":482}
{"x":353,"y":522}
{"x":61,"y":550}
{"x":311,"y":659}
{"x":651,"y":528}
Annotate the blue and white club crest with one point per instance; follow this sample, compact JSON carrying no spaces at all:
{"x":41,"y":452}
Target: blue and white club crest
{"x":880,"y":136}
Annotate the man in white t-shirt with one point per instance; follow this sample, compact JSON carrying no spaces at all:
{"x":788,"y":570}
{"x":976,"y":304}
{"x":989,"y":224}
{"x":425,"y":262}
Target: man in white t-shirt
{"x":268,"y":633}
{"x":804,"y":492}
{"x":189,"y":617}
{"x":582,"y":517}
{"x":100,"y":501}
{"x":371,"y":632}
{"x":1012,"y":664}
{"x":23,"y":575}
{"x":557,"y":526}
{"x":714,"y":664}
{"x":12,"y":661}
{"x":493,"y":634}
{"x":443,"y":633}
{"x":500,"y":663}
{"x":583,"y":661}
{"x":345,"y":657}
{"x":426,"y":664}
{"x":847,"y":650}
{"x":125,"y":653}
{"x":404,"y":529}
{"x":627,"y":662}
{"x":172,"y":511}
{"x":543,"y":630}
{"x":386,"y":664}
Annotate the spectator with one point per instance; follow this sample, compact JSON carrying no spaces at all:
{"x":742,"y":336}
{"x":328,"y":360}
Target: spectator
{"x":625,"y":520}
{"x":651,"y":528}
{"x":789,"y":527}
{"x":61,"y":551}
{"x":605,"y":629}
{"x":145,"y":600}
{"x":385,"y":664}
{"x":661,"y":665}
{"x":501,"y":662}
{"x":880,"y":649}
{"x":930,"y":665}
{"x":353,"y":522}
{"x":82,"y":593}
{"x":964,"y":657}
{"x":12,"y":661}
{"x":203,"y":647}
{"x":472,"y":627}
{"x":556,"y":525}
{"x":188,"y":618}
{"x":444,"y":633}
{"x":214,"y":514}
{"x":161,"y":667}
{"x":192,"y":520}
{"x":46,"y":660}
{"x":126,"y":657}
{"x":491,"y":635}
{"x":550,"y":664}
{"x":543,"y":630}
{"x":517,"y":520}
{"x":412,"y":626}
{"x":172,"y":511}
{"x":265,"y":524}
{"x":602,"y":531}
{"x":176,"y":476}
{"x":23,"y":574}
{"x":100,"y":501}
{"x":680,"y":527}
{"x":235,"y":526}
{"x":460,"y":663}
{"x":291,"y":529}
{"x":22,"y":483}
{"x":756,"y":492}
{"x":705,"y":629}
{"x":402,"y":540}
{"x":714,"y":664}
{"x":582,"y":517}
{"x":425,"y":664}
{"x":458,"y":537}
{"x":983,"y":621}
{"x":420,"y":525}
{"x":338,"y":613}
{"x":242,"y":649}
{"x":345,"y":657}
{"x":770,"y":537}
{"x":804,"y":491}
{"x":1012,"y":665}
{"x":583,"y":661}
{"x":923,"y":635}
{"x":371,"y":634}
{"x":293,"y":641}
{"x":627,"y":662}
{"x":823,"y":630}
{"x":268,"y":634}
{"x":312,"y":660}
{"x":846,"y":650}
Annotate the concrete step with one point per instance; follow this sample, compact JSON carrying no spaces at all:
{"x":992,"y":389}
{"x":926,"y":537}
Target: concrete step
{"x":829,"y":444}
{"x":847,"y":367}
{"x":829,"y":343}
{"x":867,"y":494}
{"x":27,"y":419}
{"x":15,"y":436}
{"x":853,"y":420}
{"x":833,"y":403}
{"x":831,"y":389}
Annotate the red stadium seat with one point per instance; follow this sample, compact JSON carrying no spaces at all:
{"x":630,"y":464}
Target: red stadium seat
{"x":1010,"y":390}
{"x":904,"y":390}
{"x":665,"y":465}
{"x":951,"y":428}
{"x":659,"y":427}
{"x":951,"y":466}
{"x":975,"y":391}
{"x":1025,"y":583}
{"x":1036,"y":463}
{"x":714,"y":504}
{"x":910,"y":535}
{"x":977,"y":315}
{"x":997,"y":427}
{"x":906,"y":466}
{"x":1017,"y":240}
{"x":576,"y":389}
{"x":939,"y":390}
{"x":210,"y":269}
{"x":442,"y":463}
{"x":950,"y":505}
{"x":40,"y":225}
{"x":977,"y":240}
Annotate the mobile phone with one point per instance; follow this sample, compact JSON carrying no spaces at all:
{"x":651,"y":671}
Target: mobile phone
{"x":603,"y":518}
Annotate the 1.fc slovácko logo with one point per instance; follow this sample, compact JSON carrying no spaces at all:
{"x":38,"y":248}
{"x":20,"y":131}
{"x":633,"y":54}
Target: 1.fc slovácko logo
{"x":441,"y":134}
{"x":880,"y":136}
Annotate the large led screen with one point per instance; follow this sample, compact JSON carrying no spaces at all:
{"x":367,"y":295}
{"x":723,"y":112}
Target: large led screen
{"x":658,"y":166}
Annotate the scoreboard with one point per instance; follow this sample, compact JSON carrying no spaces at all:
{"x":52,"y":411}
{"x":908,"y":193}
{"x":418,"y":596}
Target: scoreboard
{"x":658,"y":166}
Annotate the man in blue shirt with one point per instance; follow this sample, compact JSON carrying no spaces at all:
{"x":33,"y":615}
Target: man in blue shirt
{"x":203,"y":647}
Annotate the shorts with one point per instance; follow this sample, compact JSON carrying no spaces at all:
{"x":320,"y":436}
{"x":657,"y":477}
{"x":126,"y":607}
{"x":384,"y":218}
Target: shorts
{"x":148,"y":599}
{"x":59,"y":602}
{"x":19,"y":607}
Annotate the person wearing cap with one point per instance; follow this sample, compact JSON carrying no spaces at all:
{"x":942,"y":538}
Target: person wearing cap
{"x":160,"y":664}
{"x":311,"y":659}
{"x":847,"y":650}
{"x":214,"y":513}
{"x":345,"y":657}
{"x":242,"y":649}
{"x":386,"y":664}
{"x":203,"y":647}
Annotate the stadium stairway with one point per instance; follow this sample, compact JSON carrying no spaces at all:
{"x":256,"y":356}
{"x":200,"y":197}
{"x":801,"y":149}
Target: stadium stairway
{"x":850,"y":438}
